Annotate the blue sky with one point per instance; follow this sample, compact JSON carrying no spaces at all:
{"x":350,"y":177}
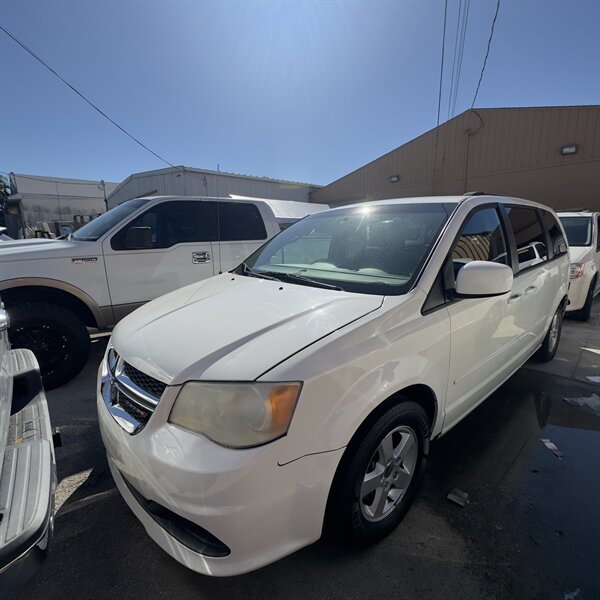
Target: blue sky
{"x":306,"y":91}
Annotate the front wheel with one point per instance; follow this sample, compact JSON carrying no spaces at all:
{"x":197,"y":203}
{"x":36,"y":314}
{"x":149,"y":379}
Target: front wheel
{"x":549,"y":346}
{"x":57,"y":337}
{"x":379,"y":475}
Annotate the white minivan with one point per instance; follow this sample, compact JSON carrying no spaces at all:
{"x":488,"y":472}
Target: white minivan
{"x":243,"y":413}
{"x":583,"y":233}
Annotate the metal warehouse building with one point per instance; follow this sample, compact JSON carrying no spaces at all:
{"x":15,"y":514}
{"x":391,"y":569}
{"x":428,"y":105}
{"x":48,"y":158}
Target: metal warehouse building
{"x":37,"y":202}
{"x":186,"y":181}
{"x":550,"y":155}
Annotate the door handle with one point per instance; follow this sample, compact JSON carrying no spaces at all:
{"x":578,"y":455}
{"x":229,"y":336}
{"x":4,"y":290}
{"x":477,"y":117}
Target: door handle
{"x":4,"y":320}
{"x":530,"y":289}
{"x":513,"y":298}
{"x":200,"y":257}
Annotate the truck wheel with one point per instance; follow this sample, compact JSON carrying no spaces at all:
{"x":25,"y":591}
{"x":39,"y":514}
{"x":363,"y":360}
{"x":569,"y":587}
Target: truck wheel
{"x":58,"y":338}
{"x":550,"y":344}
{"x":585,"y":312}
{"x":378,"y":477}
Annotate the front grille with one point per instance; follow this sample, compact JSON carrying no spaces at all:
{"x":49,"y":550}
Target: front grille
{"x":144,"y":382}
{"x":130,"y":395}
{"x":132,"y":409}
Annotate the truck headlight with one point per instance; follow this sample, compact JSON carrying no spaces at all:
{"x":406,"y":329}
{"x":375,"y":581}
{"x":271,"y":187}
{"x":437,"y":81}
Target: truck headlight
{"x":576,"y":270}
{"x":236,"y":415}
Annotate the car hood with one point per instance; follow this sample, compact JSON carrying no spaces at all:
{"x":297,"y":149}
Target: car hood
{"x":45,"y":249}
{"x":579,"y":254}
{"x":232,"y":328}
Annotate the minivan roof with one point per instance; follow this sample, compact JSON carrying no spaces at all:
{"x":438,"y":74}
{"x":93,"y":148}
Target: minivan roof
{"x":474,"y":199}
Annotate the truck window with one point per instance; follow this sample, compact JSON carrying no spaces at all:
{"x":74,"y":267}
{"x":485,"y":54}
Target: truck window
{"x":174,"y":223}
{"x":557,"y":240}
{"x":240,"y":221}
{"x":529,"y":236}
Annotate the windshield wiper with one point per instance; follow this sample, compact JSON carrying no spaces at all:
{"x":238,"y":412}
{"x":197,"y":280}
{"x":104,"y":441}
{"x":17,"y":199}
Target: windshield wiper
{"x":312,"y":282}
{"x":246,"y":270}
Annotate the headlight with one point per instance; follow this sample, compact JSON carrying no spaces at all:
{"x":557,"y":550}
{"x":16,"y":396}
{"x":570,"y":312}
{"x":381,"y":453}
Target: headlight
{"x":237,"y":415}
{"x":576,"y":270}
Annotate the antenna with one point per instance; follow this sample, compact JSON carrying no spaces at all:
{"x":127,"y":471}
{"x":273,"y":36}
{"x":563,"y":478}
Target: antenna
{"x":219,"y":219}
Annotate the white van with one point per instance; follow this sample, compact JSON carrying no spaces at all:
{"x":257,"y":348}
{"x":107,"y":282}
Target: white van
{"x":583,"y":231}
{"x":241,"y":413}
{"x":131,"y":254}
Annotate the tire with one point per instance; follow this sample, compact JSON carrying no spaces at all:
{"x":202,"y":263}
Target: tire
{"x":585,"y":312}
{"x":57,"y":337}
{"x":549,"y":346}
{"x":361,"y":516}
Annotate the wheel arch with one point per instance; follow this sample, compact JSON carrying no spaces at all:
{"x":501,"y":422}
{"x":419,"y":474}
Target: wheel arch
{"x":52,"y":291}
{"x":418,"y":393}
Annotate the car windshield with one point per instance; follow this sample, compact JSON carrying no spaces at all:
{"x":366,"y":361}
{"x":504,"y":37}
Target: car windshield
{"x":374,"y":249}
{"x":578,"y":230}
{"x":95,"y":229}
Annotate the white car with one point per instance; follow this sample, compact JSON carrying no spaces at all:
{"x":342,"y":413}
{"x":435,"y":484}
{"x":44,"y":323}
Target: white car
{"x":583,"y":233}
{"x":54,"y":290}
{"x":241,"y":413}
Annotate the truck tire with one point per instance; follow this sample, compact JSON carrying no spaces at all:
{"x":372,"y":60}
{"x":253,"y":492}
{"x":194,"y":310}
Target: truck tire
{"x":57,"y":337}
{"x":585,"y":312}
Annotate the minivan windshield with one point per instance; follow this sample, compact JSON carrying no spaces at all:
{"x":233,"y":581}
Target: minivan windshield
{"x":578,"y":230}
{"x":95,"y":229}
{"x":373,"y":249}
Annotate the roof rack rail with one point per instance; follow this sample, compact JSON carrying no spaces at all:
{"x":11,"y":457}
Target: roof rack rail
{"x":477,"y":194}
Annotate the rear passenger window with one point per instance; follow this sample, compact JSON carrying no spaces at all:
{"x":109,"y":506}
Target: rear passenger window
{"x":240,"y":221}
{"x":529,"y":236}
{"x":557,"y":240}
{"x":481,"y":238}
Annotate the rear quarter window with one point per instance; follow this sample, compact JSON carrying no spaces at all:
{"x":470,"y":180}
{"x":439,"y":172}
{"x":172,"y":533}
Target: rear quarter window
{"x":240,"y":221}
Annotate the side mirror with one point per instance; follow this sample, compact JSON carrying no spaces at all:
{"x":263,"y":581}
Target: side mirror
{"x":482,"y":278}
{"x":137,"y":238}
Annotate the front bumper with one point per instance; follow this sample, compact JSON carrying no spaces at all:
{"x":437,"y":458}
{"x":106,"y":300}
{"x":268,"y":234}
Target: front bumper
{"x":27,"y":479}
{"x":578,"y":290}
{"x":259,"y":510}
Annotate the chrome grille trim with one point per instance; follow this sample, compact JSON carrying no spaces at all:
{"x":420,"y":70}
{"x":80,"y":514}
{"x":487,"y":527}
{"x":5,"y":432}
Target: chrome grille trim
{"x":129,"y":404}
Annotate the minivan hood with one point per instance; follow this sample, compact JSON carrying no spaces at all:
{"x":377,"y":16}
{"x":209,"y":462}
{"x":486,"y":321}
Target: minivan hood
{"x":232,"y":328}
{"x":579,"y":254}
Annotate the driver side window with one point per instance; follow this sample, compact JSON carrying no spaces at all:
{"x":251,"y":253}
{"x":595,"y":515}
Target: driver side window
{"x":481,"y":238}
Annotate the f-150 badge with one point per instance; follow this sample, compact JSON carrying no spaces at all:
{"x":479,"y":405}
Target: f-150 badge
{"x":84,"y":260}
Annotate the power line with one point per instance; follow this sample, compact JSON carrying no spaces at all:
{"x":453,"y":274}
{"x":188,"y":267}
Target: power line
{"x":463,"y":36}
{"x":487,"y":53}
{"x":442,"y":62}
{"x":437,"y":129}
{"x":45,"y":64}
{"x":460,"y":7}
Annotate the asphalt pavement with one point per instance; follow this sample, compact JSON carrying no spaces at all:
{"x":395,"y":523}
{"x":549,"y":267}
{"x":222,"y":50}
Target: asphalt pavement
{"x":530,"y":529}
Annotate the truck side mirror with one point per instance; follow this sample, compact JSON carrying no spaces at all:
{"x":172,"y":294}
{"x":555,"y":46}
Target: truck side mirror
{"x":137,"y":238}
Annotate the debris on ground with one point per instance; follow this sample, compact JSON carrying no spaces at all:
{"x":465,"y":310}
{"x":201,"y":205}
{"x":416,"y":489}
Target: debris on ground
{"x":572,"y":595}
{"x":552,"y":446}
{"x":594,"y":378}
{"x":458,"y":497}
{"x":588,"y":403}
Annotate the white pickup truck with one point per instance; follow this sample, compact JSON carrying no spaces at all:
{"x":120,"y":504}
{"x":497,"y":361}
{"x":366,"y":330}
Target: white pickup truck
{"x":134,"y":253}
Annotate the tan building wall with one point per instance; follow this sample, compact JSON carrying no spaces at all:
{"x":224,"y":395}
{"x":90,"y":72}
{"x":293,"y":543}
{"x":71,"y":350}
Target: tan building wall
{"x":506,"y":151}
